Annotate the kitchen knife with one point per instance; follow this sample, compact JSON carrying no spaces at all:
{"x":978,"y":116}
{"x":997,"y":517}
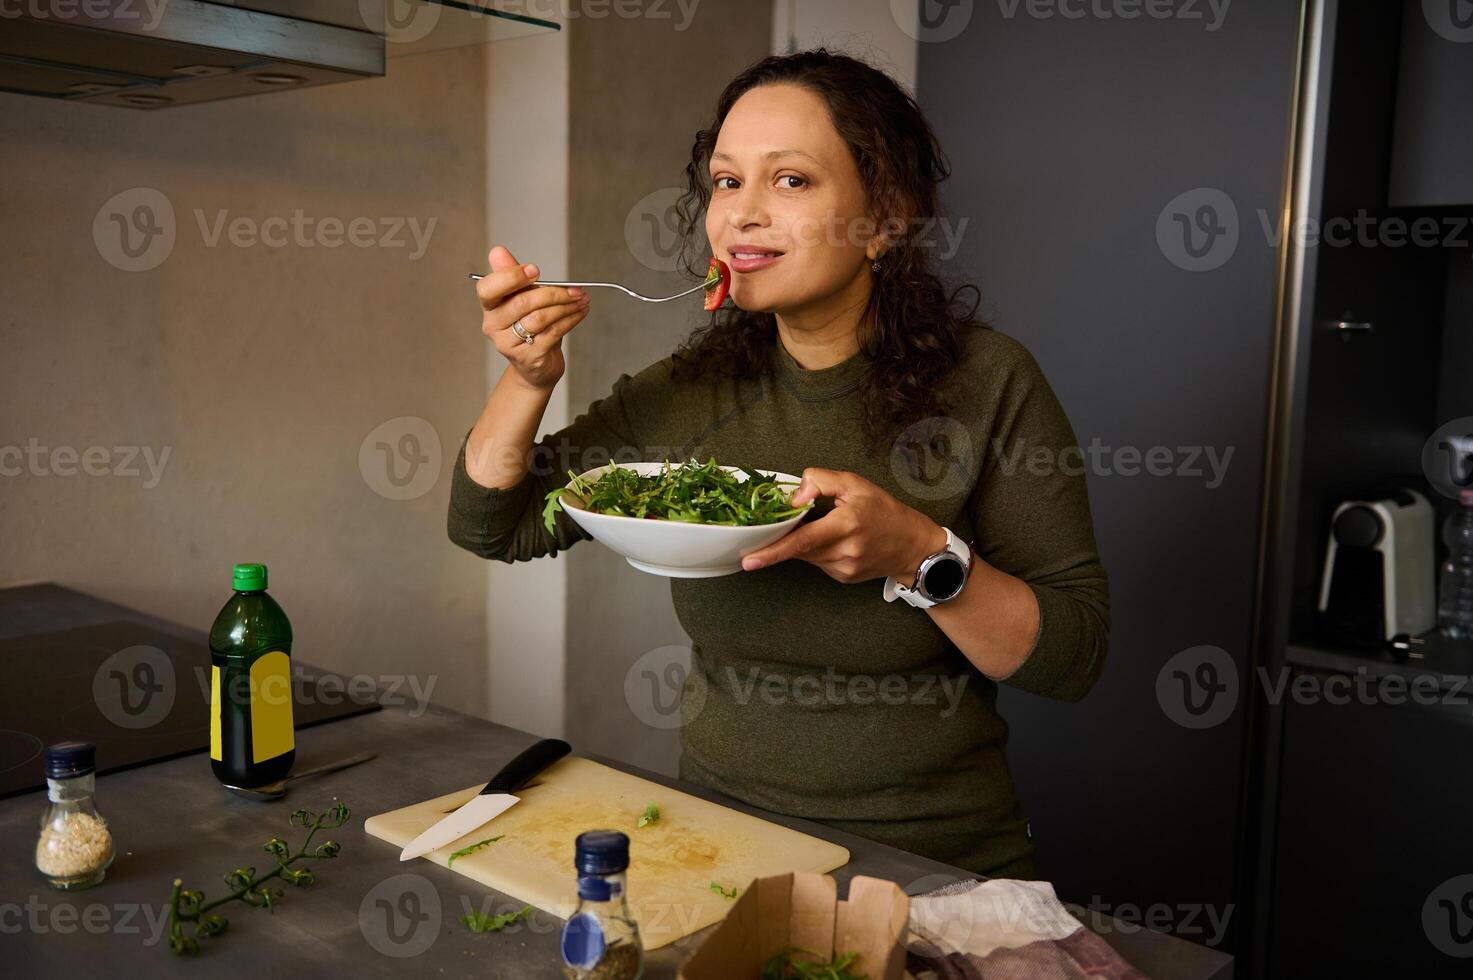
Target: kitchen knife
{"x":492,"y":801}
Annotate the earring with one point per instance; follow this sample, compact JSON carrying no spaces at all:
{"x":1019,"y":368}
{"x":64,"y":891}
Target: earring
{"x":875,"y":265}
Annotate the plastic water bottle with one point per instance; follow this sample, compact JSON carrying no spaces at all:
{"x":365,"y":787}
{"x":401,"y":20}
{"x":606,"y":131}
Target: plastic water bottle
{"x":1455,"y":588}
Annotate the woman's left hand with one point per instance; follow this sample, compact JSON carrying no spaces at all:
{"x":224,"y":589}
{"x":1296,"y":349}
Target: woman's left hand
{"x":869,"y":534}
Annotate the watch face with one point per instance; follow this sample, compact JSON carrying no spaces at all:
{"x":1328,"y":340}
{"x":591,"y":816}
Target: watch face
{"x":944,"y":579}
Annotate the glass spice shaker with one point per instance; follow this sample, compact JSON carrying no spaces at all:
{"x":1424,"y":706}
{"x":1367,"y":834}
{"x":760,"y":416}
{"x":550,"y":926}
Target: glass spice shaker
{"x":75,"y":847}
{"x":600,"y":940}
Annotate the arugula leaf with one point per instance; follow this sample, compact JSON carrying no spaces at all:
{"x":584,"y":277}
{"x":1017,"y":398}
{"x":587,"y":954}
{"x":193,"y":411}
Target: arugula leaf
{"x":695,"y":493}
{"x":479,"y":922}
{"x":549,"y":509}
{"x":722,"y":891}
{"x":790,"y":965}
{"x":651,"y":815}
{"x":472,"y":848}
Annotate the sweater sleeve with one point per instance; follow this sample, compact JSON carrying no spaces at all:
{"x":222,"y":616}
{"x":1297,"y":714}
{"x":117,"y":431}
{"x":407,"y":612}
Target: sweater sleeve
{"x":506,"y":524}
{"x":1030,"y":509}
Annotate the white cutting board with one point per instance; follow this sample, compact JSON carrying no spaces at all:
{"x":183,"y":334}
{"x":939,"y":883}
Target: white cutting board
{"x":671,"y":863}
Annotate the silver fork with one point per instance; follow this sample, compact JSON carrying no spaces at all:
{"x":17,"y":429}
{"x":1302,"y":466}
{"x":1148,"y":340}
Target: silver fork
{"x":611,"y":285}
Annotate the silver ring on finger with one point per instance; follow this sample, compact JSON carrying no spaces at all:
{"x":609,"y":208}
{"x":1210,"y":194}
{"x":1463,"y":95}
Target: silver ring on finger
{"x":521,"y":332}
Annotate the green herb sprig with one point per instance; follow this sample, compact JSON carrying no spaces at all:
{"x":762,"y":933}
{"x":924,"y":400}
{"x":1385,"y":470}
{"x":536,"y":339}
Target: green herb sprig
{"x":479,"y":922}
{"x":723,"y":892}
{"x":473,"y":848}
{"x":790,"y":965}
{"x":247,"y":886}
{"x":693,"y":493}
{"x":651,"y":815}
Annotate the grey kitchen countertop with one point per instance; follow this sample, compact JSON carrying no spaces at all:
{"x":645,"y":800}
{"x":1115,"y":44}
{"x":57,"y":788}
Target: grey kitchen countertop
{"x":367,"y":914}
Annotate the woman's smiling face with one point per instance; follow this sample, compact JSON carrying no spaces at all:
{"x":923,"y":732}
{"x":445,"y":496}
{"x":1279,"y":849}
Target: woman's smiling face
{"x":787,"y":209}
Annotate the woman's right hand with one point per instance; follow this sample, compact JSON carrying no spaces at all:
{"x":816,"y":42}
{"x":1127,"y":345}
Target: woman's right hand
{"x":545,"y":312}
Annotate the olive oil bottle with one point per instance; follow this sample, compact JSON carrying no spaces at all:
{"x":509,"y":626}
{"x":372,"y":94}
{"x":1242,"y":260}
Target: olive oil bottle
{"x":252,"y":741}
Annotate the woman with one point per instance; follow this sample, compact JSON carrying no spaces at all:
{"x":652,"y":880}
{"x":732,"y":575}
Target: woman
{"x":845,"y":361}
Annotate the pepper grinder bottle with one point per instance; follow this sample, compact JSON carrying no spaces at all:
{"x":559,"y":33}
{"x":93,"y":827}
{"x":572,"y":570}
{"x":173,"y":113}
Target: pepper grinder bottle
{"x":601,"y":940}
{"x":252,"y":741}
{"x":75,"y":846}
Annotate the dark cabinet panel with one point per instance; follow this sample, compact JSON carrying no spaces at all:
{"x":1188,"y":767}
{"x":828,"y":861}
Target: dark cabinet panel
{"x":1432,"y":157}
{"x":1374,"y":833}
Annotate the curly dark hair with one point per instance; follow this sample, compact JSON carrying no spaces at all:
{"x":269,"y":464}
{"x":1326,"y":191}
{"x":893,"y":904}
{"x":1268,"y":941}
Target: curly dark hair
{"x":911,"y":328}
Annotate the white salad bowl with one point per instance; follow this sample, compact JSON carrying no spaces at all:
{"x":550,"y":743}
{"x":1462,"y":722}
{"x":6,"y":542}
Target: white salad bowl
{"x":676,"y":549}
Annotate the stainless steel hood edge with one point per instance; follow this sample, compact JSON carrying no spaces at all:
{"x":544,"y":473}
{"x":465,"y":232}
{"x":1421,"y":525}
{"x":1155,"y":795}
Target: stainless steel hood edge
{"x":125,"y":52}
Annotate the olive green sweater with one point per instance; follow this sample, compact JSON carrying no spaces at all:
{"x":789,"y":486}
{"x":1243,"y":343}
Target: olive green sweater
{"x":817,"y":699}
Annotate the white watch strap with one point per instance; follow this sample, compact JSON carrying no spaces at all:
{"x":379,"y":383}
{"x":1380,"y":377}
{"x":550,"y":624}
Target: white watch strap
{"x":894,"y":590}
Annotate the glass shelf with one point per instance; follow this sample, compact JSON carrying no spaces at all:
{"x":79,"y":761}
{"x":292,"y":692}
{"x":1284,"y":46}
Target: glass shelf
{"x":419,"y":26}
{"x":1448,"y":662}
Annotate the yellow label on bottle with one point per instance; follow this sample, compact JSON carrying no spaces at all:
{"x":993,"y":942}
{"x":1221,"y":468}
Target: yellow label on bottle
{"x":215,"y":752}
{"x":271,"y":707}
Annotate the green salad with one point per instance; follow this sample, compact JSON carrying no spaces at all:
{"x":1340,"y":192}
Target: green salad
{"x":694,"y":493}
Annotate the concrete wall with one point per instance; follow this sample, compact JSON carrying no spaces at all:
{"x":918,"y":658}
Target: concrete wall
{"x":259,"y":370}
{"x":639,"y":90}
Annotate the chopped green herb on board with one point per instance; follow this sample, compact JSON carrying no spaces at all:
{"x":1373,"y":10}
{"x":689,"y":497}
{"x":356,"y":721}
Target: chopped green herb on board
{"x":472,"y":849}
{"x":803,"y":964}
{"x":479,"y":922}
{"x":722,"y":891}
{"x":651,"y":815}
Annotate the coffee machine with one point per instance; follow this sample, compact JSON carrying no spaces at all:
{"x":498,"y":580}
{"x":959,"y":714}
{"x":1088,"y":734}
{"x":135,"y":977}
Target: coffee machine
{"x":1380,"y":574}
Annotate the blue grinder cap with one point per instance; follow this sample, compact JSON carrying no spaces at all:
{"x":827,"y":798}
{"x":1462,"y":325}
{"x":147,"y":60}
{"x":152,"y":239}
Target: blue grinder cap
{"x":67,"y":759}
{"x":601,"y":852}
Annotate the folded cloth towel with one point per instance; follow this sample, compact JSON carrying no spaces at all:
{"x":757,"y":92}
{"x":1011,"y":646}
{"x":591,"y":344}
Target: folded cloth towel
{"x":1004,"y":929}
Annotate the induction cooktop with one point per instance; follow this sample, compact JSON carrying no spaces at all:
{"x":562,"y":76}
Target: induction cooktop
{"x":139,"y":692}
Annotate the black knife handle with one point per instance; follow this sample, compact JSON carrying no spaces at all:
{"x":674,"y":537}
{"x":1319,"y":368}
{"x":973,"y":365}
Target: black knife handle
{"x":532,"y":760}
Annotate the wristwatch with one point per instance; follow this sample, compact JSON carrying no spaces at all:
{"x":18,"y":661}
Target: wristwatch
{"x":941,"y":576}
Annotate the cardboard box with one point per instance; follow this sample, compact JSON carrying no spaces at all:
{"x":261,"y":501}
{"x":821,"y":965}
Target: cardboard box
{"x":802,"y":909}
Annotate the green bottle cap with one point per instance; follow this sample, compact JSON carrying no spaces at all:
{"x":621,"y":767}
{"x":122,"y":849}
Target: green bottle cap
{"x":248,"y":578}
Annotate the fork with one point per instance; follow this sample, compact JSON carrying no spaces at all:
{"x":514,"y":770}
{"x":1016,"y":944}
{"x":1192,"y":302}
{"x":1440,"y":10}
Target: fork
{"x":611,"y":285}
